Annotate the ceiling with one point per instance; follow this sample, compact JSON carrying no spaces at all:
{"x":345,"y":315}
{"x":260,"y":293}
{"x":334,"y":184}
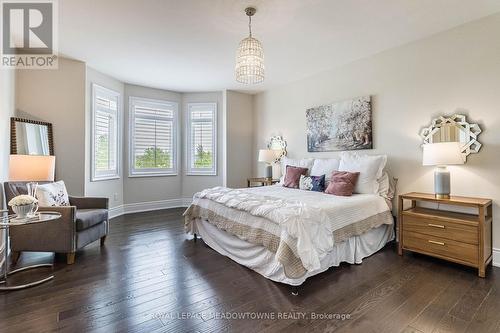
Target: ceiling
{"x":189,"y":45}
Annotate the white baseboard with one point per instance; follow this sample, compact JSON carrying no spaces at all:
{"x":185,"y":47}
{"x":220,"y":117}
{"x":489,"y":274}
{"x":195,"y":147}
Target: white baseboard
{"x":496,"y":257}
{"x":148,"y":206}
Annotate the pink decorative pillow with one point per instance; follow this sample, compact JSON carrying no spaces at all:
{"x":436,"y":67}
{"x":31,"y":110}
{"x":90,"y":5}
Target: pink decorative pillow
{"x":292,"y":176}
{"x":342,"y":183}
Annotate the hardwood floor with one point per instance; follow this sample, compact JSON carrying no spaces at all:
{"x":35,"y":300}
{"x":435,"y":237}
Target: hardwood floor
{"x":150,"y":277}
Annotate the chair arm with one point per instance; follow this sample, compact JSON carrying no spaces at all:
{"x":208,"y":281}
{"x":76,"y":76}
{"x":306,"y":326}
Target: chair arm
{"x":68,"y":213}
{"x":51,"y":236}
{"x":89,"y":202}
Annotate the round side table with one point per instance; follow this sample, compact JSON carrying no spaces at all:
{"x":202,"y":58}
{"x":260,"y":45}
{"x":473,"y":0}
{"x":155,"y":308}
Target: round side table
{"x":6,"y":221}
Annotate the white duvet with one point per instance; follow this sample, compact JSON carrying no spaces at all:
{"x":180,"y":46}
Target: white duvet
{"x":310,"y":217}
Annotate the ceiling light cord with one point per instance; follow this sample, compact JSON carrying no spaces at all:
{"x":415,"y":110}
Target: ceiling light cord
{"x":250,"y":25}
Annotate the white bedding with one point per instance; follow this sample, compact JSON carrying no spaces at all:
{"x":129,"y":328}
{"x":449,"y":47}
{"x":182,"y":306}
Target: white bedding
{"x":309,"y":218}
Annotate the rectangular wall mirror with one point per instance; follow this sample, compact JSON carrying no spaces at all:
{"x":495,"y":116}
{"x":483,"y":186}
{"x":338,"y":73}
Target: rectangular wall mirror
{"x":30,"y":137}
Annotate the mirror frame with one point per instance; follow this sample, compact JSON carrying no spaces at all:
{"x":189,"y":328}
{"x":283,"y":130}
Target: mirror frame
{"x":13,"y":139}
{"x":282,"y":143}
{"x":472,"y":146}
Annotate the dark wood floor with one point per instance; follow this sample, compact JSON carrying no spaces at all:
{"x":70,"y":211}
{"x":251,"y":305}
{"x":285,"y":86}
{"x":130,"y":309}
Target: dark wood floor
{"x":150,"y":277}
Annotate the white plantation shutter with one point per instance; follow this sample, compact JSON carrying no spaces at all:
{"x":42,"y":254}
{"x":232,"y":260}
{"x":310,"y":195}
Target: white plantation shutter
{"x":105,"y":149}
{"x":201,"y":138}
{"x":153,"y":137}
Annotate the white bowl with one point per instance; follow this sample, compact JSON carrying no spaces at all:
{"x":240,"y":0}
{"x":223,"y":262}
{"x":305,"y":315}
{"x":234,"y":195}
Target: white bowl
{"x":22,"y":211}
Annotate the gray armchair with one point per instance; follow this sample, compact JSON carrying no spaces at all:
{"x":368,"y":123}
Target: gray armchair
{"x":83,"y":222}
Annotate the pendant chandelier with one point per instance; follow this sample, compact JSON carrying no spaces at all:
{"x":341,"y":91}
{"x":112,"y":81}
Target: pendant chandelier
{"x":250,"y":56}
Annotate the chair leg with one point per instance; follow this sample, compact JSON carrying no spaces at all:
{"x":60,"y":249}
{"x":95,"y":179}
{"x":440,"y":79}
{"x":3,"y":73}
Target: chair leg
{"x":70,"y":258}
{"x":15,"y":257}
{"x":103,"y":239}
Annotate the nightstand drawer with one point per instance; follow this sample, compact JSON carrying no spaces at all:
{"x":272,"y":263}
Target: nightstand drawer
{"x":439,"y":228}
{"x":441,"y":247}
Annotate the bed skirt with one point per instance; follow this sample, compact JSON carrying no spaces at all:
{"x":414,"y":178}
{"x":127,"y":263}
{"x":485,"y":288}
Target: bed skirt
{"x":264,"y":262}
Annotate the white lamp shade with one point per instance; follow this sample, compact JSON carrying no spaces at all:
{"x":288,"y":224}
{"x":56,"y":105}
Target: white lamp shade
{"x":267,"y":155}
{"x":31,"y":168}
{"x":443,"y":153}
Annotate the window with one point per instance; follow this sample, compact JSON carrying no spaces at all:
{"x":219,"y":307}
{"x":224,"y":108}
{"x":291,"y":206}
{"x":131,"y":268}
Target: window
{"x":201,"y":139}
{"x":153,"y":139}
{"x":105,"y":133}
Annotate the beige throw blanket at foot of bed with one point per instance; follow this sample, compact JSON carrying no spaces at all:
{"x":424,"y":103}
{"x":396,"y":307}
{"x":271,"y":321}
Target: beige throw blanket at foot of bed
{"x":304,"y":236}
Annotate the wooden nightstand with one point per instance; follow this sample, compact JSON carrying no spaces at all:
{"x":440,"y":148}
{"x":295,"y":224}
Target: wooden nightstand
{"x":458,"y":237}
{"x":262,"y":181}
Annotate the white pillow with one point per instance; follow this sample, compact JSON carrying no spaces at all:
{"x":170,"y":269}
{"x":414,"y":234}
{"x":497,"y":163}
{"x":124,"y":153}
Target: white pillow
{"x":370,"y":168}
{"x":325,"y":166}
{"x":387,"y":188}
{"x":52,"y":194}
{"x":303,"y":163}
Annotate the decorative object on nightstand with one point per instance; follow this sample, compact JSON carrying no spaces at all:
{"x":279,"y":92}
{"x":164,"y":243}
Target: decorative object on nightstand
{"x":442,"y":154}
{"x":262,"y":181}
{"x":462,"y":238}
{"x":267,"y":156}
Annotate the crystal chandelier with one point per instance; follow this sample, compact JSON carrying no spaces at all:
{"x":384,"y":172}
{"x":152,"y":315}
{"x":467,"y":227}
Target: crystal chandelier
{"x":250,"y":56}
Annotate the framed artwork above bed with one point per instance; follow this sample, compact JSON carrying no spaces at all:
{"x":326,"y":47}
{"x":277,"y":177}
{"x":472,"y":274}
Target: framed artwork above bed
{"x":343,"y":125}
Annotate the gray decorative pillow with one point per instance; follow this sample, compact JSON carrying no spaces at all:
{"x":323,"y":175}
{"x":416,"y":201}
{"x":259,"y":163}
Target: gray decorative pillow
{"x":52,"y":195}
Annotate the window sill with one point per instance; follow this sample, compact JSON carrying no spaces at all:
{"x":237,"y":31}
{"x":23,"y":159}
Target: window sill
{"x":100,"y":179}
{"x":200,"y":174}
{"x":142,"y":175}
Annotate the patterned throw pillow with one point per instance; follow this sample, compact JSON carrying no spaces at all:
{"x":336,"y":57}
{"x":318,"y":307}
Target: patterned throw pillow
{"x":312,"y":183}
{"x":292,"y":176}
{"x":52,"y":194}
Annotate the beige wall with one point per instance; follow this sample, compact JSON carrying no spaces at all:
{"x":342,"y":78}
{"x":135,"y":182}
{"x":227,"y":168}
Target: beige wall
{"x":453,"y":71}
{"x":58,"y":97}
{"x":144,"y":189}
{"x":7,"y":110}
{"x":113,"y":188}
{"x":240,"y":154}
{"x":192,"y":184}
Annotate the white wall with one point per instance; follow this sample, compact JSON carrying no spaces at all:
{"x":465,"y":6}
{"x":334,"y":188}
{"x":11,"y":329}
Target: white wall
{"x":58,"y":97}
{"x":190,"y":183}
{"x":146,"y":189}
{"x":7,"y":110}
{"x":113,"y":188}
{"x":240,"y":154}
{"x":454,"y":71}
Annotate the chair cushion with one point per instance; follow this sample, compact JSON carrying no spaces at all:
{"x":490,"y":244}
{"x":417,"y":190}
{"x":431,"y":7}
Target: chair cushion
{"x":86,"y":218}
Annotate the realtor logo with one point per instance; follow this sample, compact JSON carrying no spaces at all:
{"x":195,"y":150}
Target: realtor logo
{"x":29,"y":34}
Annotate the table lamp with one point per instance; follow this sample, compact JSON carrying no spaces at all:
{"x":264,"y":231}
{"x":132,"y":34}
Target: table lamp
{"x":267,"y":156}
{"x":31,"y":168}
{"x":442,"y":154}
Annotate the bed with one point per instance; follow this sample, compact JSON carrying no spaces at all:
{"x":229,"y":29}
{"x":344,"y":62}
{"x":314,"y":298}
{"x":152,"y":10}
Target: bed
{"x":288,"y":235}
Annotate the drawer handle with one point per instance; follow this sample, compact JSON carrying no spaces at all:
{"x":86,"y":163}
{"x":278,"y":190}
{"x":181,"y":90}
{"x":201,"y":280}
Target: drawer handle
{"x":436,"y":225}
{"x":437,"y":243}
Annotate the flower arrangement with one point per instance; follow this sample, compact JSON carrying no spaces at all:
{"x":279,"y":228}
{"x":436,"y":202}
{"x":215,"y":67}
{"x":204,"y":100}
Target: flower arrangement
{"x":22,"y":200}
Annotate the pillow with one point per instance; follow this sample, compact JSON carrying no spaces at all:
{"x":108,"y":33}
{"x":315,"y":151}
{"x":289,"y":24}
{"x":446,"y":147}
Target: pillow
{"x":325,"y":167}
{"x":370,"y":168}
{"x":312,"y":183}
{"x":303,"y":163}
{"x":387,"y":188}
{"x":342,"y":183}
{"x":292,"y":176}
{"x":52,"y":194}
